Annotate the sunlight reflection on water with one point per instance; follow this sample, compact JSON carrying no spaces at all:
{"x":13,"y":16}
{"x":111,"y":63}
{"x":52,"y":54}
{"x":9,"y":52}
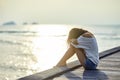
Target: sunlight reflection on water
{"x":49,"y":46}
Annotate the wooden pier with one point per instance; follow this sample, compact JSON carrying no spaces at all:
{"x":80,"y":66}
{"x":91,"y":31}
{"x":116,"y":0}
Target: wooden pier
{"x":108,"y":69}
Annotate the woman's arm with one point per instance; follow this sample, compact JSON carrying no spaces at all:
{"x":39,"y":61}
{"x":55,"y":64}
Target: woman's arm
{"x":74,"y":41}
{"x":88,"y":35}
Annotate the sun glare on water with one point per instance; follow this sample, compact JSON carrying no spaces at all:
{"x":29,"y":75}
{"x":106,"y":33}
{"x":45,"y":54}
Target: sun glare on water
{"x":50,"y":45}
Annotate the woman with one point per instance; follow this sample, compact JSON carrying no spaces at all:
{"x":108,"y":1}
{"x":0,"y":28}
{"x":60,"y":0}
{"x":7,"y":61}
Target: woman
{"x":83,"y":43}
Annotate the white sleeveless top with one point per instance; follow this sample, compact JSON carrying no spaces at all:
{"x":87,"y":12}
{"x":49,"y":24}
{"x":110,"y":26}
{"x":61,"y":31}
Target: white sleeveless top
{"x":90,"y":47}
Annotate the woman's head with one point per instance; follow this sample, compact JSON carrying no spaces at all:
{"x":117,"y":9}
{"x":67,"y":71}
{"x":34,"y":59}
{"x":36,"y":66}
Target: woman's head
{"x":75,"y":33}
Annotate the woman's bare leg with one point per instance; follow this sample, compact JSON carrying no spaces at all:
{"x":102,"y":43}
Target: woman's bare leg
{"x":81,"y":56}
{"x":69,"y":53}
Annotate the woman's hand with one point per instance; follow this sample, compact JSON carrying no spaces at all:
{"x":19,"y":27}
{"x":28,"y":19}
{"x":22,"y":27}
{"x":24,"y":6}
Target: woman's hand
{"x":74,"y":41}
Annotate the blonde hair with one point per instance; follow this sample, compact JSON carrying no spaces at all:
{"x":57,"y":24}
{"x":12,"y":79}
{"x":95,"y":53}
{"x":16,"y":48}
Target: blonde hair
{"x":75,"y":33}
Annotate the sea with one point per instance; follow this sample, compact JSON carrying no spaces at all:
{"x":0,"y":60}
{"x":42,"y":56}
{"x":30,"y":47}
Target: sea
{"x":28,"y":49}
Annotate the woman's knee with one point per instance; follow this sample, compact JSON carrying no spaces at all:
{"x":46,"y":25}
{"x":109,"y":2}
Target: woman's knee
{"x":77,"y":50}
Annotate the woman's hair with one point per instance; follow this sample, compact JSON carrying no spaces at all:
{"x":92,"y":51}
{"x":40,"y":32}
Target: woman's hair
{"x":75,"y":33}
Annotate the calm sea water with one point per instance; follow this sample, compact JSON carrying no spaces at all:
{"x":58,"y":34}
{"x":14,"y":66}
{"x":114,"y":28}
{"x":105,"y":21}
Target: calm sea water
{"x":25,"y":50}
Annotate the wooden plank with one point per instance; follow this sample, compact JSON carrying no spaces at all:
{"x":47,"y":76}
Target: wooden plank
{"x":109,"y":52}
{"x":108,"y":69}
{"x":51,"y":73}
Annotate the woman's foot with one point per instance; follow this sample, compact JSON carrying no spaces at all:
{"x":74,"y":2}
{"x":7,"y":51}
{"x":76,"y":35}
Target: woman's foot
{"x":61,"y":64}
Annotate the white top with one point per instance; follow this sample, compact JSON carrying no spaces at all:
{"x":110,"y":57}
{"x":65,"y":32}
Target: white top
{"x":90,"y":47}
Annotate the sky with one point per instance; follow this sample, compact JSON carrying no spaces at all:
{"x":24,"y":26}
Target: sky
{"x":60,"y":11}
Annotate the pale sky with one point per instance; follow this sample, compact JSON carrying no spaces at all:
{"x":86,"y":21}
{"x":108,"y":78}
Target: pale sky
{"x":60,"y":11}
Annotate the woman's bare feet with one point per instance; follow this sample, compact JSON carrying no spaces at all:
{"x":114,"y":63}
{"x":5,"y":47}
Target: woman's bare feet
{"x":61,"y":64}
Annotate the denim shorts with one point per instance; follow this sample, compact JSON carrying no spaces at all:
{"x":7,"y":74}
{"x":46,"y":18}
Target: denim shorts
{"x":89,"y":65}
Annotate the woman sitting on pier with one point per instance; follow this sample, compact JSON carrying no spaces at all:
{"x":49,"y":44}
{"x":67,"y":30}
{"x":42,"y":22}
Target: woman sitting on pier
{"x":84,"y":44}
